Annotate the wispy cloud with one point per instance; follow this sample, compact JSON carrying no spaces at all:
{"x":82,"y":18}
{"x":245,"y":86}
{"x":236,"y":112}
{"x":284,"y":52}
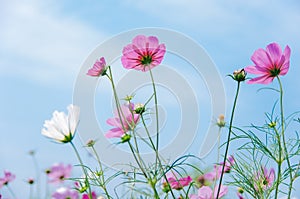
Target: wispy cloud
{"x":41,"y":43}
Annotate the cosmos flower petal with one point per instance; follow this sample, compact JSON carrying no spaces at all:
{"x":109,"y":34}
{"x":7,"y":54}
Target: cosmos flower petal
{"x":98,"y":68}
{"x":274,"y":52}
{"x":114,"y":133}
{"x":254,"y":70}
{"x":205,"y":192}
{"x":223,"y":191}
{"x":265,"y":79}
{"x":261,"y":59}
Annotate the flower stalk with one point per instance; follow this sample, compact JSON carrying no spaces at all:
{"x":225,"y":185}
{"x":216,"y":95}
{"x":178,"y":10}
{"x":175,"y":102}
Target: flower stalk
{"x":229,"y":135}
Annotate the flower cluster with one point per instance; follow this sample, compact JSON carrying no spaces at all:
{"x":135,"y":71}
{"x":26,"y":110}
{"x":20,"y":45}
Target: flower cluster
{"x":262,"y":166}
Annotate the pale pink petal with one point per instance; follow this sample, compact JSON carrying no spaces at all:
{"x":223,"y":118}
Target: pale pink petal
{"x":271,"y":176}
{"x":140,"y":41}
{"x":194,"y":196}
{"x":114,"y":133}
{"x":205,"y":192}
{"x":153,"y":42}
{"x":223,"y":191}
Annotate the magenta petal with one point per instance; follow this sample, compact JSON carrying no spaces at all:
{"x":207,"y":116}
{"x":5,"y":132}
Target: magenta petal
{"x":255,"y":70}
{"x":265,"y":79}
{"x":261,"y":59}
{"x":287,"y":53}
{"x":274,"y":52}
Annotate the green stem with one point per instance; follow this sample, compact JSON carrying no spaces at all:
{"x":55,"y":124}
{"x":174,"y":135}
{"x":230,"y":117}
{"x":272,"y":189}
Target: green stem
{"x":83,"y":169}
{"x":102,"y":173}
{"x":283,"y":139}
{"x":157,"y":155}
{"x":110,"y":77}
{"x":279,"y":163}
{"x":228,"y":139}
{"x":157,"y":160}
{"x":156,"y":114}
{"x":137,"y":161}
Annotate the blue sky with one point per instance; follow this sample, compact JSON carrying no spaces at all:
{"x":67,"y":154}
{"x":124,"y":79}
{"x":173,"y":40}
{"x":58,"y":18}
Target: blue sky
{"x":44,"y":43}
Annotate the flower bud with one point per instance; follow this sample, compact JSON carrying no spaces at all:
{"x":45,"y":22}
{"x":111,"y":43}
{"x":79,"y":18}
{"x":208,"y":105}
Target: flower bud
{"x":128,"y":98}
{"x":239,"y":75}
{"x":221,"y":121}
{"x":272,"y":124}
{"x":125,"y":138}
{"x":240,"y":190}
{"x":90,"y":143}
{"x":139,"y":108}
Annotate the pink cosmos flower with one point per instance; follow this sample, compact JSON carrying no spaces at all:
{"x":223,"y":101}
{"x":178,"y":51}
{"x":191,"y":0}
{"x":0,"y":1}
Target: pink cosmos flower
{"x":59,"y":172}
{"x":269,"y":63}
{"x":126,"y":123}
{"x":264,"y":180}
{"x":206,"y":192}
{"x":98,"y":69}
{"x":65,"y":193}
{"x":86,"y":196}
{"x":177,"y":183}
{"x":143,"y":53}
{"x":8,"y":177}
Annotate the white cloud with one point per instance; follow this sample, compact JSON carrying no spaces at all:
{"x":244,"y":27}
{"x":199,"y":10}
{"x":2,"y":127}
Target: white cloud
{"x":40,"y":43}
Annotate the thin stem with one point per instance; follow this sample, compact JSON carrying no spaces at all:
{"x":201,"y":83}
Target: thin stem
{"x":37,"y":170}
{"x":156,"y":114}
{"x":30,"y":192}
{"x":102,"y":172}
{"x":279,"y":163}
{"x":83,"y":169}
{"x":137,"y":161}
{"x":218,"y":156}
{"x":283,"y":139}
{"x":110,"y":77}
{"x":157,"y":160}
{"x":11,"y":191}
{"x":228,"y":139}
{"x":157,"y":155}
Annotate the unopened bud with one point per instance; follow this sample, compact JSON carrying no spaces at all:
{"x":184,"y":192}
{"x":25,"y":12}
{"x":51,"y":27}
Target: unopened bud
{"x":90,"y":143}
{"x":125,"y":138}
{"x":239,"y":75}
{"x":139,"y":108}
{"x":221,"y":121}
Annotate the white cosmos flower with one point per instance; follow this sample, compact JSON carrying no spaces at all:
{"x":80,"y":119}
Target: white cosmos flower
{"x":62,"y":127}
